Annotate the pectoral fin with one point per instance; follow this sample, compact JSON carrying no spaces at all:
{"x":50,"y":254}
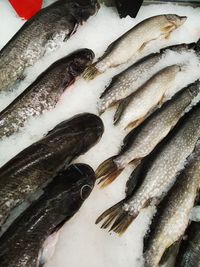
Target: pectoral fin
{"x":169,"y":257}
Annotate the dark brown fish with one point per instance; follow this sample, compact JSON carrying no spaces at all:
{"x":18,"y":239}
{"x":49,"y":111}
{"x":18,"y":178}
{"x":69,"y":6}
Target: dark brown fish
{"x":36,"y":165}
{"x":21,"y":244}
{"x":45,"y":91}
{"x":45,"y":30}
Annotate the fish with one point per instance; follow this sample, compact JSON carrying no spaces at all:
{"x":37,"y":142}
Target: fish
{"x":44,"y":93}
{"x":189,"y":253}
{"x":134,"y":41}
{"x":159,"y":175}
{"x":22,"y":242}
{"x":36,"y":165}
{"x":172,"y":221}
{"x":43,"y":32}
{"x":141,"y":141}
{"x":134,"y":109}
{"x":132,"y":78}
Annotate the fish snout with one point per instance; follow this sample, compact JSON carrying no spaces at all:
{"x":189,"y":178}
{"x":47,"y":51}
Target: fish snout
{"x":176,"y":20}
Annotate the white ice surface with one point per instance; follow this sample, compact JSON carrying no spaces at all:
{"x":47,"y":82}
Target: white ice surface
{"x":81,"y":242}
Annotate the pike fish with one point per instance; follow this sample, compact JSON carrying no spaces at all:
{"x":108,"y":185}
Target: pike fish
{"x":20,"y":246}
{"x":36,"y":165}
{"x":134,"y":41}
{"x":189,"y":253}
{"x":128,"y":81}
{"x":170,"y":225}
{"x":141,"y":141}
{"x":159,"y":175}
{"x":44,"y":31}
{"x":134,"y":109}
{"x":45,"y":92}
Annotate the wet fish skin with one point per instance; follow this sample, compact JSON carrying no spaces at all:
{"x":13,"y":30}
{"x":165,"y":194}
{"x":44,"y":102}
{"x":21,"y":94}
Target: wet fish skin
{"x":126,"y":46}
{"x":141,"y":141}
{"x":45,"y":91}
{"x":189,"y":254}
{"x":21,"y":244}
{"x":159,"y":176}
{"x":134,"y":109}
{"x":171,"y":223}
{"x":129,"y":80}
{"x":52,"y":24}
{"x":36,"y":165}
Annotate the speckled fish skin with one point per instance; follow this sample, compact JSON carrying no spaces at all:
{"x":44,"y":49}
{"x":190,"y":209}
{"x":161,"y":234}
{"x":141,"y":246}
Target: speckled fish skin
{"x":46,"y":29}
{"x":141,"y":103}
{"x":171,"y":224}
{"x":141,"y":141}
{"x":39,"y":163}
{"x":189,"y":254}
{"x":134,"y":41}
{"x":45,"y":91}
{"x":160,"y":174}
{"x":21,"y":244}
{"x":128,"y":81}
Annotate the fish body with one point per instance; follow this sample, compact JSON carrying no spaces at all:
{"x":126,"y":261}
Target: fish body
{"x":159,"y":175}
{"x":135,"y":108}
{"x":36,"y":165}
{"x":189,"y":254}
{"x":128,"y":81}
{"x":171,"y":224}
{"x":45,"y":92}
{"x":21,"y":244}
{"x":134,"y":41}
{"x":141,"y":141}
{"x":44,"y":31}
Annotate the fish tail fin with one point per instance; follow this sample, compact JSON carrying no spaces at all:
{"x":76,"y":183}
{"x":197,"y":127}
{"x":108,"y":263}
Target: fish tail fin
{"x":108,"y":172}
{"x":91,"y":72}
{"x":117,"y":217}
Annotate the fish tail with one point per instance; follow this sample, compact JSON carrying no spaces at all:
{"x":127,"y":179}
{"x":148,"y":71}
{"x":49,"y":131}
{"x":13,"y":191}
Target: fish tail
{"x":108,"y":171}
{"x":91,"y":72}
{"x":117,"y":218}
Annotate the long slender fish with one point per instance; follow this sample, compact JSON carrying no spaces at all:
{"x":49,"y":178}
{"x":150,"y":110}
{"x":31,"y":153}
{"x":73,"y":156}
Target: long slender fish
{"x":134,"y":109}
{"x":159,"y":176}
{"x":134,"y":41}
{"x":21,"y":244}
{"x":141,"y":141}
{"x":45,"y":92}
{"x":36,"y":165}
{"x":128,"y":81}
{"x":46,"y":29}
{"x":171,"y":223}
{"x":189,"y":254}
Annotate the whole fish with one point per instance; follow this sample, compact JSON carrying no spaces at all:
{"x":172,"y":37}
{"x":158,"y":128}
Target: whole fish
{"x":23,"y":241}
{"x":134,"y":41}
{"x":45,"y":92}
{"x":129,"y":80}
{"x":36,"y":165}
{"x":189,"y":254}
{"x":141,"y":141}
{"x":170,"y":225}
{"x":159,"y":176}
{"x":134,"y":109}
{"x":44,"y":31}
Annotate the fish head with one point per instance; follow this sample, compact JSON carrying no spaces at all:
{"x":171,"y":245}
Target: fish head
{"x":80,"y":61}
{"x":83,"y":9}
{"x":175,"y":20}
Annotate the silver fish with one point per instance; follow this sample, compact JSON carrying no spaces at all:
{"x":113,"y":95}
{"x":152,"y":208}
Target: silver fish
{"x":133,"y":110}
{"x":159,"y":176}
{"x":134,"y":41}
{"x":128,"y":81}
{"x":173,"y":220}
{"x":141,"y":141}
